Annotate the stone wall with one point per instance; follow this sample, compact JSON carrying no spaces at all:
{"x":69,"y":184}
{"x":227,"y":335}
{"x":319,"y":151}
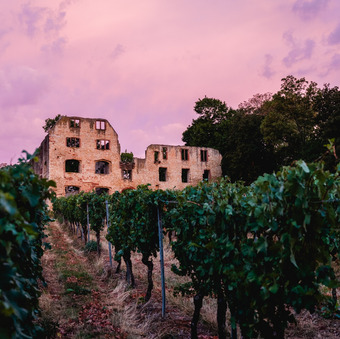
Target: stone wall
{"x":83,"y":141}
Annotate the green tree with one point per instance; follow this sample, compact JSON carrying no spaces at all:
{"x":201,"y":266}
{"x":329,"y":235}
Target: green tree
{"x":49,"y":123}
{"x":205,"y":130}
{"x":290,"y":122}
{"x":235,"y":133}
{"x":327,"y":104}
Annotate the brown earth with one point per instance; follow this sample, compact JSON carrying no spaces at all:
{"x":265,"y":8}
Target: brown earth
{"x":84,"y":298}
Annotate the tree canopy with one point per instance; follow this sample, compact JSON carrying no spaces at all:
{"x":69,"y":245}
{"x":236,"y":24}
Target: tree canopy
{"x":270,"y":130}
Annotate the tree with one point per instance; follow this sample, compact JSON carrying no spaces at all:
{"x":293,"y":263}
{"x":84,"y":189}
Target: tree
{"x":49,"y":123}
{"x":289,"y":124}
{"x":327,"y":104}
{"x":245,"y":154}
{"x":204,"y":130}
{"x":235,"y":133}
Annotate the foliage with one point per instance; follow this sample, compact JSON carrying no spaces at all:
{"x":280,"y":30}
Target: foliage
{"x":23,"y":215}
{"x":268,"y":245}
{"x":49,"y":123}
{"x":270,"y":131}
{"x":262,"y":250}
{"x":126,"y":157}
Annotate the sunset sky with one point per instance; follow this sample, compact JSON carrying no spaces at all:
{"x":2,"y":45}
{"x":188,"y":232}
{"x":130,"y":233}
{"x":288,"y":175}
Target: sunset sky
{"x":142,"y":64}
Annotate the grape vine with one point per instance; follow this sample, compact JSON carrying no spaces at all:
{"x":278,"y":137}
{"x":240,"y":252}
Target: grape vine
{"x":262,"y":250}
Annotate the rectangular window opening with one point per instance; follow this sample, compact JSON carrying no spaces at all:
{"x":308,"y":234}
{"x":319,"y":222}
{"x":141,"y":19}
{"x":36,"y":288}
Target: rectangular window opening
{"x":185,"y":154}
{"x":204,"y":155}
{"x":165,"y":153}
{"x":100,"y":125}
{"x":156,"y":155}
{"x":73,"y":142}
{"x":127,"y":174}
{"x":103,"y":144}
{"x":206,"y":175}
{"x":162,"y":173}
{"x":74,"y":123}
{"x":185,"y":175}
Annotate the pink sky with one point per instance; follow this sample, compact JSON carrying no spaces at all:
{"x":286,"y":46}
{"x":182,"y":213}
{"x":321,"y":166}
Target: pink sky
{"x":143,"y":64}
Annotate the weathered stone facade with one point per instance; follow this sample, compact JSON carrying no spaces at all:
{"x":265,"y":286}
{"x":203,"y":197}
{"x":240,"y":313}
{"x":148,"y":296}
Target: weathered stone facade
{"x":82,"y":154}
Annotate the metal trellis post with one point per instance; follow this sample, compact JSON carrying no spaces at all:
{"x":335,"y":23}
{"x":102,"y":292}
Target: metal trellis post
{"x":108,"y":224}
{"x":160,"y":236}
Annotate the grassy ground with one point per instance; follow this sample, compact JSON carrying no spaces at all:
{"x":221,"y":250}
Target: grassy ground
{"x":84,"y":298}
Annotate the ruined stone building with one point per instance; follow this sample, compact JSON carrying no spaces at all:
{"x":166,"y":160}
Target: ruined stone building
{"x":82,"y":154}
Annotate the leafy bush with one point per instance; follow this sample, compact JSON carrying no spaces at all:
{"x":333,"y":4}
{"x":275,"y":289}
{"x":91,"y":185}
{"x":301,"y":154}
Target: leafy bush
{"x":126,"y":157}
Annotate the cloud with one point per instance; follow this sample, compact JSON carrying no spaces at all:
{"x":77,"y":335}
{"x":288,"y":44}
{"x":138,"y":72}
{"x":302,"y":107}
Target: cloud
{"x":267,"y":71}
{"x":334,"y":37}
{"x":299,"y":51}
{"x":37,"y":20}
{"x":309,"y":9}
{"x":54,"y":22}
{"x":56,"y":46}
{"x":21,"y":86}
{"x":31,"y":17}
{"x":335,"y":62}
{"x":118,"y":50}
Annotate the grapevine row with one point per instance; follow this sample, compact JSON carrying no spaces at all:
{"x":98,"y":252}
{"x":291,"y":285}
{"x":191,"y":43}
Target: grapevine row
{"x":23,"y":215}
{"x":262,"y":250}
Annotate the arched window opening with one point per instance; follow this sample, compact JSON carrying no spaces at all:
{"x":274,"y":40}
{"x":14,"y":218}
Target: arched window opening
{"x":72,"y":166}
{"x":102,"y":167}
{"x":102,"y":190}
{"x":71,"y":190}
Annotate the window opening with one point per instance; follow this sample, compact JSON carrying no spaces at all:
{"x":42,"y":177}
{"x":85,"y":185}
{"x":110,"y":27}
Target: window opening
{"x":72,"y":142}
{"x":72,"y":166}
{"x":156,"y":155}
{"x":165,"y":153}
{"x":127,"y":174}
{"x":204,"y":155}
{"x":71,"y":190}
{"x":74,"y":123}
{"x":102,"y":190}
{"x":162,"y":174}
{"x":100,"y":124}
{"x":103,"y":144}
{"x":102,"y":167}
{"x":206,"y":175}
{"x":185,"y":175}
{"x":185,"y":154}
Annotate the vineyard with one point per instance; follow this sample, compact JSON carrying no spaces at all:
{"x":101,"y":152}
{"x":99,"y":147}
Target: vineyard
{"x":264,"y":252}
{"x":23,"y":216}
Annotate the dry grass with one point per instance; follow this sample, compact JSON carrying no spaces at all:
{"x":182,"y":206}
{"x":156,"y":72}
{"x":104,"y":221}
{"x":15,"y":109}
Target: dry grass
{"x":143,"y":320}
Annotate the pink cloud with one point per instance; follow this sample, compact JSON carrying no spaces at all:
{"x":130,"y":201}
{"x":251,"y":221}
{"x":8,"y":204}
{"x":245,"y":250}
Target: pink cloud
{"x":21,"y":86}
{"x":142,"y":65}
{"x":267,"y":70}
{"x":334,"y":37}
{"x":309,"y":9}
{"x":299,"y":51}
{"x":31,"y":18}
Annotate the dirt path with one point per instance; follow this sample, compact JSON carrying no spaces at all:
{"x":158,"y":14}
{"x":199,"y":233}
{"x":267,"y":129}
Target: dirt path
{"x":84,"y":299}
{"x":74,"y":304}
{"x":81,"y":300}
